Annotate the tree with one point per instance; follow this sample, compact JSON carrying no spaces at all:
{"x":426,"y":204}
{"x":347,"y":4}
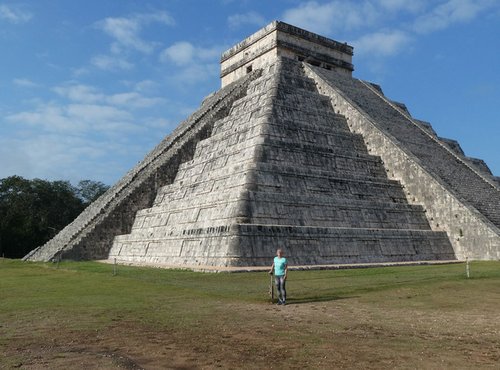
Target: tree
{"x":88,"y":190}
{"x":33,"y":211}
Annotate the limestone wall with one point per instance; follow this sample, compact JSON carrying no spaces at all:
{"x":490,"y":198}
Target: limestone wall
{"x":283,"y":40}
{"x":262,"y":52}
{"x":282,"y":169}
{"x":190,"y":221}
{"x":472,"y":233}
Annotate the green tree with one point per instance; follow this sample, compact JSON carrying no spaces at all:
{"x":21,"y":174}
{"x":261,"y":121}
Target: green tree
{"x":88,"y":190}
{"x":33,"y":211}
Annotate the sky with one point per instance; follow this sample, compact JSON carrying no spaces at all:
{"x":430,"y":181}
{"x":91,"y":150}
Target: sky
{"x":88,"y":88}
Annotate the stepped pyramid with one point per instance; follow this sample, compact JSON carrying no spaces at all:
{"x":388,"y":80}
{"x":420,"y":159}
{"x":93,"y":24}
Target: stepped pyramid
{"x":293,"y":152}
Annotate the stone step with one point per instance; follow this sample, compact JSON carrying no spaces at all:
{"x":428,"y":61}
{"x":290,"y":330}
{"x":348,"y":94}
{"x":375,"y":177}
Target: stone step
{"x":292,"y":181}
{"x":336,"y":216}
{"x":306,"y":245}
{"x":284,"y":208}
{"x":458,"y":177}
{"x":327,"y":211}
{"x":285,"y":110}
{"x":219,"y":168}
{"x":209,"y":158}
{"x":224,"y":139}
{"x":311,"y":142}
{"x":327,"y":245}
{"x":347,"y":165}
{"x":336,"y":124}
{"x":284,"y":177}
{"x":301,"y":130}
{"x":340,"y":146}
{"x":303,"y":100}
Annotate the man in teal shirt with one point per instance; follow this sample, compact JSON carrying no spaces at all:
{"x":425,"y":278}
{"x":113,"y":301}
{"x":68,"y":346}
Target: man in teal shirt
{"x":280,"y":266}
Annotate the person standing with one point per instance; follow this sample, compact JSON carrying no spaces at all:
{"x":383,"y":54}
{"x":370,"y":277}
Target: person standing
{"x":280,"y":266}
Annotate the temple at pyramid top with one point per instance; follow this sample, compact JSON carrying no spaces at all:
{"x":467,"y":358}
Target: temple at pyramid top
{"x":279,"y":39}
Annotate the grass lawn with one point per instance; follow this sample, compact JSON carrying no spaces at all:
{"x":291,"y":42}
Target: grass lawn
{"x":81,"y":316}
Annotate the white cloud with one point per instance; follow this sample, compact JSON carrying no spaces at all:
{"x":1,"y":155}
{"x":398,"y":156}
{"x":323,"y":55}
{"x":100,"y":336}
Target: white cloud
{"x":450,"y":12}
{"x":87,"y":110}
{"x":183,"y":52}
{"x":49,"y":117}
{"x":111,"y":63}
{"x":250,"y":18}
{"x":381,"y":43}
{"x":196,"y":73}
{"x":412,"y":6}
{"x":156,"y":17}
{"x":81,"y":134}
{"x":126,"y":35}
{"x":89,"y":95}
{"x":333,"y":15}
{"x":14,"y":15}
{"x":99,"y":116}
{"x":209,"y":53}
{"x":180,"y":53}
{"x":14,"y":159}
{"x":79,"y":72}
{"x":80,"y":93}
{"x":159,"y":123}
{"x":312,"y":16}
{"x":71,"y":118}
{"x":24,"y":82}
{"x":134,"y":100}
{"x":145,"y":85}
{"x":63,"y":157}
{"x":126,"y":31}
{"x":341,"y":15}
{"x":372,"y":18}
{"x":196,"y":64}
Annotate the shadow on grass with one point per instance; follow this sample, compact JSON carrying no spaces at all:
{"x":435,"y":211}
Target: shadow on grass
{"x":316,"y":299}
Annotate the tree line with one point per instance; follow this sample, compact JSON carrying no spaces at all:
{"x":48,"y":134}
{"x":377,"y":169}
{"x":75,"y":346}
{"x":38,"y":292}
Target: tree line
{"x":34,"y":211}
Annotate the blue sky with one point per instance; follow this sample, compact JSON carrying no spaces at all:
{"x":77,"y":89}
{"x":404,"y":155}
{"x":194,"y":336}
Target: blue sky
{"x":88,"y":88}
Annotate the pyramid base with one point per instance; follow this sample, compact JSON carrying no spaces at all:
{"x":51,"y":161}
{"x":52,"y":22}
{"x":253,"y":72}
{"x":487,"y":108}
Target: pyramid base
{"x":242,"y":245}
{"x":240,"y":269}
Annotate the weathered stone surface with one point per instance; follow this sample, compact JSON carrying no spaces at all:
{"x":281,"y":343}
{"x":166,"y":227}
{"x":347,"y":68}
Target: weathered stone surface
{"x":298,"y":156}
{"x":279,"y":39}
{"x":282,"y":169}
{"x":458,"y":197}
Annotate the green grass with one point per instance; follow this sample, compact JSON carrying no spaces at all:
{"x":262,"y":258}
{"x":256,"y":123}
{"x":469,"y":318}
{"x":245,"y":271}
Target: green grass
{"x":84,"y":297}
{"x":91,"y":288}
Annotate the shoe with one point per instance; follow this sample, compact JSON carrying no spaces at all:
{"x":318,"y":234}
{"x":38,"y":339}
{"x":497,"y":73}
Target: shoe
{"x":279,"y":302}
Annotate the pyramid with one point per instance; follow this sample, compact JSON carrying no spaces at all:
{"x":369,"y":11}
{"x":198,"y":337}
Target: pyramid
{"x":293,"y":152}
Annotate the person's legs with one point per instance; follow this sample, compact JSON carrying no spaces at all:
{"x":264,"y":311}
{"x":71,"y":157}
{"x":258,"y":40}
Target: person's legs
{"x":280,"y":287}
{"x":283,"y":290}
{"x":277,"y":281}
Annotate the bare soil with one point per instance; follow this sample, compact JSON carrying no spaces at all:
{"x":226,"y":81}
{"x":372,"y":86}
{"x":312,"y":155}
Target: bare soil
{"x":340,"y":333}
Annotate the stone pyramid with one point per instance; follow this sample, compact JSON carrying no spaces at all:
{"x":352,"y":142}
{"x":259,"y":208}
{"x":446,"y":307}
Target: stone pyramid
{"x":293,"y":152}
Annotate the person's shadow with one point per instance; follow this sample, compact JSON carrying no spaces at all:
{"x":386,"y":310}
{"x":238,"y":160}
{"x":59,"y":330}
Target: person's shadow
{"x":317,"y":299}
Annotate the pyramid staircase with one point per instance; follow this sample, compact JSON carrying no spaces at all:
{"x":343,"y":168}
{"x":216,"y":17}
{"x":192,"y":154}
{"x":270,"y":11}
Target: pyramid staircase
{"x":459,"y":193}
{"x":281,"y":170}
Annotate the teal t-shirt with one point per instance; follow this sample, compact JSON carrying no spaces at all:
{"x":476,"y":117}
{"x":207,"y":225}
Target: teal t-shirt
{"x":279,"y":266}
